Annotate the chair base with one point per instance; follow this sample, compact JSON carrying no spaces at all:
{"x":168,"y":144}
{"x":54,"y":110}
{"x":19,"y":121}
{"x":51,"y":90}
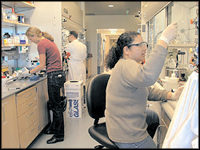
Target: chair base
{"x":99,"y":147}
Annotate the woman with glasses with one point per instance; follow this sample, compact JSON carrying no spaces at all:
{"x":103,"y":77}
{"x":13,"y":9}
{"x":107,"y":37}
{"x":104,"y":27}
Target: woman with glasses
{"x":129,"y":124}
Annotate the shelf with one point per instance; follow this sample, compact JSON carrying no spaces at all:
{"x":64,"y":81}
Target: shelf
{"x":10,"y":23}
{"x":186,"y":45}
{"x":9,"y":45}
{"x":14,"y":4}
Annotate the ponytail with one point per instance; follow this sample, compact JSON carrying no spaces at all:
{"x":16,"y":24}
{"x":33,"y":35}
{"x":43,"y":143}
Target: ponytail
{"x":116,"y":51}
{"x":112,"y":57}
{"x":48,"y":36}
{"x":31,"y":31}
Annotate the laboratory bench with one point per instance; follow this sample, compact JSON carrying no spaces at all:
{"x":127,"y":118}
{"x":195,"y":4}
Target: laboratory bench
{"x":165,"y":110}
{"x":24,"y":112}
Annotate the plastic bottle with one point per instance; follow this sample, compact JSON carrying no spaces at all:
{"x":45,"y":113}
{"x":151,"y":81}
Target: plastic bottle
{"x":4,"y":84}
{"x":16,"y":38}
{"x":165,"y":83}
{"x":173,"y":82}
{"x":6,"y":36}
{"x":22,"y":38}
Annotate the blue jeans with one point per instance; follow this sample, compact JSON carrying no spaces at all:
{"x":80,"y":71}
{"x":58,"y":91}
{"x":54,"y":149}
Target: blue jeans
{"x":152,"y":120}
{"x":55,"y":80}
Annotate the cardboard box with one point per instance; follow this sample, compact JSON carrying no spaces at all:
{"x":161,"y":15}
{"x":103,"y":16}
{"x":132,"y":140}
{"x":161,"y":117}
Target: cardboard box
{"x":74,"y":94}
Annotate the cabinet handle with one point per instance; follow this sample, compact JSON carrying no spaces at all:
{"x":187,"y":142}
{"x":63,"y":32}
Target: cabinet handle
{"x":28,"y":95}
{"x":4,"y":118}
{"x":30,"y":114}
{"x":31,"y":131}
{"x":29,"y":104}
{"x":35,"y":108}
{"x":3,"y":114}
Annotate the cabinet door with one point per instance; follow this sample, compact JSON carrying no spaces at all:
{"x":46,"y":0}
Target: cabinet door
{"x":42,"y":104}
{"x":9,"y":134}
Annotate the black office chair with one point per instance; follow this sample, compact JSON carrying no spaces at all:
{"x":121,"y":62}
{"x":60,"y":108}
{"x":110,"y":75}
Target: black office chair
{"x":96,"y":102}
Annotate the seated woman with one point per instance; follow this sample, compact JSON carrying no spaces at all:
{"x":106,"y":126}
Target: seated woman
{"x":129,"y":124}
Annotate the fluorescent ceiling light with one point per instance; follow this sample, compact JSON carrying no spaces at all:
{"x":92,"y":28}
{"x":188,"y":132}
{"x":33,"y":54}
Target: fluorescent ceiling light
{"x":110,"y":5}
{"x":112,"y":29}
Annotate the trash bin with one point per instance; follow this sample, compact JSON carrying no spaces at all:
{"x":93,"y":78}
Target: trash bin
{"x":75,"y":97}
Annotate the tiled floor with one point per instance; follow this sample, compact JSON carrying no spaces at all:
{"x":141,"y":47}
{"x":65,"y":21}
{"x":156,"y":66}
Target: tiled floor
{"x":76,"y":134}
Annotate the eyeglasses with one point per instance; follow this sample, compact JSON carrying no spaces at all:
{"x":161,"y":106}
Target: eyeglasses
{"x":142,"y":44}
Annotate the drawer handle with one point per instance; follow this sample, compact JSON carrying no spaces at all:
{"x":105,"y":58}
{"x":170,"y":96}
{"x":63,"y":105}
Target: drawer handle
{"x":28,"y":95}
{"x":29,"y":104}
{"x":30,"y":114}
{"x":31,"y":131}
{"x":35,"y":108}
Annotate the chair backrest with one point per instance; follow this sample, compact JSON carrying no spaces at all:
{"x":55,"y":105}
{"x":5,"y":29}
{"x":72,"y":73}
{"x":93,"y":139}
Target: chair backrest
{"x":96,"y":95}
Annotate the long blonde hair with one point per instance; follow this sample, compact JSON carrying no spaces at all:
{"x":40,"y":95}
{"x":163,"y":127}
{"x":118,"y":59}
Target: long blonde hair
{"x":31,"y":31}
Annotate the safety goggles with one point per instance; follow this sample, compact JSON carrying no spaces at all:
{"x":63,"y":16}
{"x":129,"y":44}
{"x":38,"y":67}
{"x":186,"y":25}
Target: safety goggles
{"x":142,"y":44}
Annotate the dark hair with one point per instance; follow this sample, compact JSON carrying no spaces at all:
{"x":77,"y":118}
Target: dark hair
{"x":74,"y":33}
{"x":116,"y":51}
{"x":31,"y":31}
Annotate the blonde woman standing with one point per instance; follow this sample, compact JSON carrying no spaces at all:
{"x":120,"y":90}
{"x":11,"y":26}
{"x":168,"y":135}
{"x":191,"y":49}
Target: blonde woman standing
{"x":49,"y":57}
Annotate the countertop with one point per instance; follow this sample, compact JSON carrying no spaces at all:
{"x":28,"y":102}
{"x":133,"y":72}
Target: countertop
{"x":168,"y":106}
{"x":23,"y":84}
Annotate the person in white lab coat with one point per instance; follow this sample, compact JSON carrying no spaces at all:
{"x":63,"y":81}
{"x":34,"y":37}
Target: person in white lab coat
{"x":76,"y":62}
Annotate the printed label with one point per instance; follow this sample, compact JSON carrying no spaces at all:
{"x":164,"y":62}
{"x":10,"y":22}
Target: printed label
{"x":74,"y":104}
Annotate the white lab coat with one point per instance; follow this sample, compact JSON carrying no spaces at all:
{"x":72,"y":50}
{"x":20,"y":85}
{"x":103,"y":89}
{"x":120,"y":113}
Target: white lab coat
{"x":76,"y":64}
{"x":183,"y":129}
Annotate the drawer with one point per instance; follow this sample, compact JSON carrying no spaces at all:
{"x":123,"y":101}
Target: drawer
{"x":25,"y":95}
{"x":27,"y":119}
{"x":29,"y":135}
{"x":26,"y":106}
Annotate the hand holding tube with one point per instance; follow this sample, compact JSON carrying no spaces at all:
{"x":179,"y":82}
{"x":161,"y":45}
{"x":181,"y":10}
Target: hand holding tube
{"x":169,"y":33}
{"x":176,"y":95}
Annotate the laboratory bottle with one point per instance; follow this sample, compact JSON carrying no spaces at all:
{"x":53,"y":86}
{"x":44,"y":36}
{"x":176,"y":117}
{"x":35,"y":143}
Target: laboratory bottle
{"x":173,"y":82}
{"x":6,"y":36}
{"x":165,"y":83}
{"x":22,"y":38}
{"x":16,"y":38}
{"x":4,"y":84}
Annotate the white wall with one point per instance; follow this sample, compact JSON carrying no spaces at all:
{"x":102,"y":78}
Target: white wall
{"x":46,"y":16}
{"x":106,"y":22}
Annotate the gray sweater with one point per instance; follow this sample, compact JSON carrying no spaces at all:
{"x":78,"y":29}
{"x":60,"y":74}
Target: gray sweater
{"x":127,"y":93}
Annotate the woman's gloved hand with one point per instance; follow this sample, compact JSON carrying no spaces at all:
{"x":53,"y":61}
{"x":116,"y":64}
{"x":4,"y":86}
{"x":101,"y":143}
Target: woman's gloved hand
{"x":176,"y":95}
{"x":169,"y":33}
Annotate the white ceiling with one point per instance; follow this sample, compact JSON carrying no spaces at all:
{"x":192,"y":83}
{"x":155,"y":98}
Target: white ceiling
{"x":120,"y":7}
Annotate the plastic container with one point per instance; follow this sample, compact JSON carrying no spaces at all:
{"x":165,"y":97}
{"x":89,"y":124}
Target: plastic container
{"x":16,"y":38}
{"x":173,"y":82}
{"x":74,"y":94}
{"x":4,"y":84}
{"x":165,"y":83}
{"x":23,"y":38}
